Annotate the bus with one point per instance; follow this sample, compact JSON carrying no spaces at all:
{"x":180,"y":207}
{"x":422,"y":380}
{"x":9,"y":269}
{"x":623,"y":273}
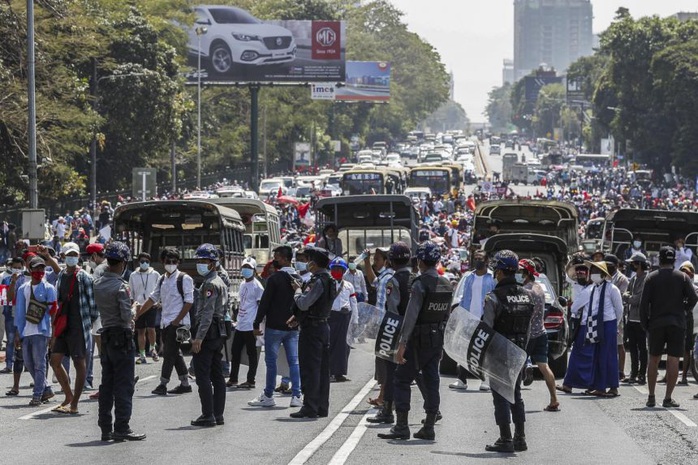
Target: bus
{"x":593,"y":161}
{"x":436,"y":178}
{"x":367,"y":222}
{"x":262,"y":227}
{"x":372,"y":181}
{"x":183,"y":224}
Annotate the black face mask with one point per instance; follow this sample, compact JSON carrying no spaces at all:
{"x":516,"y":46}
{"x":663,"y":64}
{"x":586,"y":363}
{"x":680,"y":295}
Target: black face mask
{"x":479,"y":265}
{"x":582,"y":281}
{"x":612,"y":270}
{"x":276,"y":264}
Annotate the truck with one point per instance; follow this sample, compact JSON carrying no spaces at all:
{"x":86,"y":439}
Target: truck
{"x":508,"y":161}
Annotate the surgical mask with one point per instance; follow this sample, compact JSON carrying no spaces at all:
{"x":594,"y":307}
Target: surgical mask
{"x":637,"y":244}
{"x":479,"y":265}
{"x":337,"y":274}
{"x":352,"y":266}
{"x":596,"y":278}
{"x":17,"y":270}
{"x":301,"y":266}
{"x":247,"y":273}
{"x":171,"y":268}
{"x":519,"y":278}
{"x":92,"y":264}
{"x":202,"y":269}
{"x":71,"y":261}
{"x":144,"y":266}
{"x":381,"y":270}
{"x":37,"y":275}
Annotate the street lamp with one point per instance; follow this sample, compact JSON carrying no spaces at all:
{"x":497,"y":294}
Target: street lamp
{"x":93,"y":144}
{"x":200,"y":30}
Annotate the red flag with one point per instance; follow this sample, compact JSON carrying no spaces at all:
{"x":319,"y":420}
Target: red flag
{"x":280,"y":193}
{"x":471,"y":203}
{"x":303,"y":209}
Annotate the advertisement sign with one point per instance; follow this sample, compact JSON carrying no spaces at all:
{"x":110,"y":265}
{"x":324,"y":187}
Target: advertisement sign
{"x":367,"y":81}
{"x":144,"y":182}
{"x":533,"y":84}
{"x":322,"y":91}
{"x":234,"y":46}
{"x":301,"y":154}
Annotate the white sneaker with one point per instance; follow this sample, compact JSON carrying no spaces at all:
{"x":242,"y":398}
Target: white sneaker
{"x":262,"y":401}
{"x":296,"y":402}
{"x":484,"y":386}
{"x":460,"y":385}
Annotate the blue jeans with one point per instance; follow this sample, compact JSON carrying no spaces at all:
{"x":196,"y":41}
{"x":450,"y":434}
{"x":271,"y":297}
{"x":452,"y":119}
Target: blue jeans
{"x":273,"y":338}
{"x":34,"y":348}
{"x":10,"y":333}
{"x":90,"y":361}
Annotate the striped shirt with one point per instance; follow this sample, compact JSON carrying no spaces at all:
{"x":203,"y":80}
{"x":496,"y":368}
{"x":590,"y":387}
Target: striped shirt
{"x":380,"y":283}
{"x":88,"y":308}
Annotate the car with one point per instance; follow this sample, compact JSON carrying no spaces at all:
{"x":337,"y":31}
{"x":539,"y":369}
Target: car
{"x":393,"y":158}
{"x":433,"y":158}
{"x":495,"y":149}
{"x":235,"y":38}
{"x":418,"y":192}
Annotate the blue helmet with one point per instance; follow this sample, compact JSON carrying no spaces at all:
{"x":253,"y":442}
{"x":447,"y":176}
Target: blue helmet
{"x":207,"y":252}
{"x":506,"y":260}
{"x":399,"y":251}
{"x":339,"y":263}
{"x":429,"y":252}
{"x":117,"y":251}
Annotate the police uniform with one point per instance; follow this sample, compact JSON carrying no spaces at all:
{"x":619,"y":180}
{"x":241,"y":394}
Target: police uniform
{"x":210,"y":329}
{"x":422,"y":334}
{"x":312,"y":311}
{"x":508,"y":310}
{"x":118,"y":351}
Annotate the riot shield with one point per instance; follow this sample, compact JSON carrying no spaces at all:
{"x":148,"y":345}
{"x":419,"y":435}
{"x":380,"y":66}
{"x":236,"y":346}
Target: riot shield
{"x":376,"y":332}
{"x":482,"y":351}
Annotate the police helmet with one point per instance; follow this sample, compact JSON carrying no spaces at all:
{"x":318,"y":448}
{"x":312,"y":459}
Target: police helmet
{"x":183,"y":334}
{"x":117,"y":251}
{"x":399,"y":251}
{"x":339,"y":263}
{"x":506,"y":260}
{"x":429,"y":252}
{"x":207,"y":252}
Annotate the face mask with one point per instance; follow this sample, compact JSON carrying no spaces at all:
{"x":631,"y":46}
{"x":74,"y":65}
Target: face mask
{"x":612,"y":270}
{"x":202,"y":269}
{"x":17,"y":270}
{"x":276,"y":264}
{"x":352,"y":266}
{"x":519,"y":278}
{"x":479,"y":265}
{"x":301,"y":266}
{"x":596,"y":278}
{"x":637,"y":244}
{"x":92,"y":264}
{"x":247,"y":273}
{"x":144,"y":266}
{"x":337,"y":274}
{"x":171,"y":268}
{"x":37,"y":275}
{"x":48,"y":270}
{"x":71,"y":261}
{"x":381,"y":270}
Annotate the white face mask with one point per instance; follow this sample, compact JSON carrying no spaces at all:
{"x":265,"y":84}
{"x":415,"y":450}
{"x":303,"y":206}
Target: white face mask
{"x":170,"y":268}
{"x":596,"y":278}
{"x":637,"y":244}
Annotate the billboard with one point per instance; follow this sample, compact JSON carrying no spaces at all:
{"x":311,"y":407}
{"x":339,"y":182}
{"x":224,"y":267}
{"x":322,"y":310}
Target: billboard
{"x":301,"y":155}
{"x":234,"y":46}
{"x":367,"y":81}
{"x":533,"y":84}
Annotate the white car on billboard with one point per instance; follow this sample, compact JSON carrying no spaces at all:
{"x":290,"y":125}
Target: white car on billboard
{"x":229,"y":37}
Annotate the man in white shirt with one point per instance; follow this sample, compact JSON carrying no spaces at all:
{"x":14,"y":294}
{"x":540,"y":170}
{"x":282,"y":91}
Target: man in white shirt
{"x":142,"y":284}
{"x":250,"y":294}
{"x":356,"y":278}
{"x":343,"y":307}
{"x":683,"y":253}
{"x":175,"y":292}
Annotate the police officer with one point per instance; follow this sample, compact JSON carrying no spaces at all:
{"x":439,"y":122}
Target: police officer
{"x":312,"y":309}
{"x":421,"y":343}
{"x":210,"y":334}
{"x":118,"y":350}
{"x":508,"y":310}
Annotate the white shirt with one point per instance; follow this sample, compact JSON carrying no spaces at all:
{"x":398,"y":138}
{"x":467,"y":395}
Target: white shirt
{"x":306,"y":276}
{"x":30,"y":329}
{"x":346,"y":297}
{"x":613,"y":303}
{"x":142,"y":284}
{"x":171,"y":299}
{"x":682,"y":255}
{"x":476,"y":306}
{"x":250,"y":295}
{"x":357,"y":280}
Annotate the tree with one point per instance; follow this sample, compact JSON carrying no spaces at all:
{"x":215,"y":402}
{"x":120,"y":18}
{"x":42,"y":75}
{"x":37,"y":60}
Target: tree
{"x":499,"y":108}
{"x":449,"y":116}
{"x":551,"y":100}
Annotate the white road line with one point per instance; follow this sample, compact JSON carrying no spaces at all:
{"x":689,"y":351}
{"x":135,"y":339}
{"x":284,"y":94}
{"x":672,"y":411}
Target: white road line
{"x":304,"y":455}
{"x":142,"y":380}
{"x":341,"y":456}
{"x":681,"y":417}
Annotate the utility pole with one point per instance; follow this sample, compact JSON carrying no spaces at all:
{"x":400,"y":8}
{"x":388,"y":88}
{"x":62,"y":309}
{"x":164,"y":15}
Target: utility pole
{"x":254,"y":136}
{"x":31,"y":98}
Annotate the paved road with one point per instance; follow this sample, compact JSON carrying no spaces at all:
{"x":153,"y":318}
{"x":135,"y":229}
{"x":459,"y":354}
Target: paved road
{"x":586,"y":431}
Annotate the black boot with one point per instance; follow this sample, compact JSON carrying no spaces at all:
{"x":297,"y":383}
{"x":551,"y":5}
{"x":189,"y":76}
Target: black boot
{"x":400,"y":431}
{"x":427,"y":431}
{"x":438,"y":416}
{"x":519,"y":438}
{"x":504,"y":443}
{"x":385,"y":415}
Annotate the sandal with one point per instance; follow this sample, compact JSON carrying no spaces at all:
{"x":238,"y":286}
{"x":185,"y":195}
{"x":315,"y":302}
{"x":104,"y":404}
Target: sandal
{"x":563,"y":388}
{"x":231,"y":384}
{"x":61,"y":409}
{"x":12,"y":392}
{"x":246,"y":385}
{"x":552,"y":407}
{"x":375,"y":402}
{"x":612,"y":393}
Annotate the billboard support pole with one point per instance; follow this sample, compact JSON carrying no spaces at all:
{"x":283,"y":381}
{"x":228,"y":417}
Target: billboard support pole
{"x":254,"y":135}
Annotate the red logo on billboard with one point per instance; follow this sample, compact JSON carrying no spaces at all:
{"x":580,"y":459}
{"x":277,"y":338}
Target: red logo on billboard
{"x":326,"y":40}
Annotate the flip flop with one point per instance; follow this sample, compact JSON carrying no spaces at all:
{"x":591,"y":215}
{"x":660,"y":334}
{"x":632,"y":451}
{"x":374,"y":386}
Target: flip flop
{"x":612,"y":394}
{"x":563,"y":389}
{"x":72,"y":411}
{"x":62,"y":409}
{"x":375,"y":402}
{"x":12,"y":392}
{"x":552,"y":408}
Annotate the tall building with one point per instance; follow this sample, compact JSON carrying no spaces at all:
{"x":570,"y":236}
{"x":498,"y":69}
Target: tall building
{"x":508,"y":71}
{"x":685,"y":15}
{"x":551,"y":32}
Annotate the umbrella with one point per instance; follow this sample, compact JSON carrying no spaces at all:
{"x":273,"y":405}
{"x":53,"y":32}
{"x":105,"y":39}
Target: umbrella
{"x":287,"y":199}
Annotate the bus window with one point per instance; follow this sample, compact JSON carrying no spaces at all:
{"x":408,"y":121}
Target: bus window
{"x":359,"y":183}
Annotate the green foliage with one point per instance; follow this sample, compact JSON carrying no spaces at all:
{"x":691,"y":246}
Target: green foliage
{"x":499,"y":108}
{"x":449,"y":116}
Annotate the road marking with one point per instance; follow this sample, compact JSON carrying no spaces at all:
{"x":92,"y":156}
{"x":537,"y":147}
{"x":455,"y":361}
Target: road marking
{"x":304,"y":455}
{"x":147,"y":378}
{"x":341,"y":456}
{"x":681,"y":417}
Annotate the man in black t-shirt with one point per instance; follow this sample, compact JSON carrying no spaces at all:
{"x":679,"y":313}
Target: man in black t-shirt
{"x":665,"y":297}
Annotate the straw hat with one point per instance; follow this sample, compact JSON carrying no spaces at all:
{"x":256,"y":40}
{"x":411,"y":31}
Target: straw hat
{"x":603,"y":266}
